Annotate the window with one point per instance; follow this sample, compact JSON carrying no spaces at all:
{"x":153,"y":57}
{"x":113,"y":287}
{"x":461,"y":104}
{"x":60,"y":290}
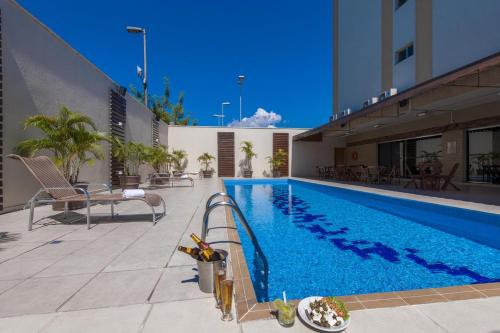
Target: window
{"x":399,"y":3}
{"x":404,"y":53}
{"x":484,"y":155}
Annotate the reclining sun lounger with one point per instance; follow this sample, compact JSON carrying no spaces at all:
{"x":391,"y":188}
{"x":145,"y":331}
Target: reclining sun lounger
{"x":59,"y":189}
{"x":161,"y":179}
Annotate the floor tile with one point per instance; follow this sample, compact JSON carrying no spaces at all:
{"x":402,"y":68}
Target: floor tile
{"x":117,"y":319}
{"x":187,"y":317}
{"x":115,"y":289}
{"x":178,"y":283}
{"x":43,"y":295}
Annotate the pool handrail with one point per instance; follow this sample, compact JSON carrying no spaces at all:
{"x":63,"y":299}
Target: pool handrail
{"x":234,"y":206}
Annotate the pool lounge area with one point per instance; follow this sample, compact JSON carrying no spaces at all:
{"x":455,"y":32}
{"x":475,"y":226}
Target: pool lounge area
{"x":129,"y":269}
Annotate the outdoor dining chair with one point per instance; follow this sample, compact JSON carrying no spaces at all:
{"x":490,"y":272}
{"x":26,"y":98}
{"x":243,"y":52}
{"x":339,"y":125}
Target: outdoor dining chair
{"x":448,"y":179}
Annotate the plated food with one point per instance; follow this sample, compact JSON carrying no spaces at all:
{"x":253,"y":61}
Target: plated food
{"x":324,"y":313}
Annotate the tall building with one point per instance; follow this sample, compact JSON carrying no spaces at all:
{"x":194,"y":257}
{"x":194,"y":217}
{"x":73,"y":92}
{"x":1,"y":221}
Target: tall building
{"x":416,"y":80}
{"x":383,"y":44}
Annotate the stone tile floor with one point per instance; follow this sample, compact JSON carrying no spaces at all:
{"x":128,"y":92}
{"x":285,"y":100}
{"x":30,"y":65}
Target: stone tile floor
{"x":124,"y":275}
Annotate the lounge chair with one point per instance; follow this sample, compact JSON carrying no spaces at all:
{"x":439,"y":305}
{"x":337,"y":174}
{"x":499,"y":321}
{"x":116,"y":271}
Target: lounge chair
{"x":59,"y":189}
{"x":159,"y":179}
{"x":448,"y":178}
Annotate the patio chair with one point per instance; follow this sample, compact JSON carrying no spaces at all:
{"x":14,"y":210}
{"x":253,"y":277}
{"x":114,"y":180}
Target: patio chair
{"x":59,"y":189}
{"x":448,"y":179}
{"x":391,"y":176}
{"x":413,"y":178}
{"x":159,"y":179}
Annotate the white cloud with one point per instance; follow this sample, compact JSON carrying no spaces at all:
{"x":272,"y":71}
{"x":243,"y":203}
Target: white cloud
{"x":261,"y":118}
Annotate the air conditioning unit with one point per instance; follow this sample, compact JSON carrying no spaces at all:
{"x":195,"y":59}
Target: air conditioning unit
{"x":345,"y":112}
{"x":388,"y":93}
{"x":370,"y":101}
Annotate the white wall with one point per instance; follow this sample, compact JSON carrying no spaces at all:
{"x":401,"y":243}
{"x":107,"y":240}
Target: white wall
{"x":308,"y":155}
{"x":42,"y":73}
{"x":196,"y":140}
{"x":463,"y":31}
{"x":404,"y":27}
{"x":359,"y":52}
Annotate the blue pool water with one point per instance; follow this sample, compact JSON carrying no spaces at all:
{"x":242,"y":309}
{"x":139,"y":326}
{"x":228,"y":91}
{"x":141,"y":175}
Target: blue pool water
{"x":323,"y":240}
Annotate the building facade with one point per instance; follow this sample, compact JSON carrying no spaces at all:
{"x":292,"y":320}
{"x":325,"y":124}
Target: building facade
{"x":416,"y":80}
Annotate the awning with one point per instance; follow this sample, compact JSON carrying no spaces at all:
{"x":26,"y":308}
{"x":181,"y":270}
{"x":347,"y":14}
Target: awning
{"x":473,"y":84}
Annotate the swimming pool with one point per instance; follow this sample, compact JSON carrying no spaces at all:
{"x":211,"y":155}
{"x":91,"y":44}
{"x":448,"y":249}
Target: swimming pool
{"x":324,"y":240}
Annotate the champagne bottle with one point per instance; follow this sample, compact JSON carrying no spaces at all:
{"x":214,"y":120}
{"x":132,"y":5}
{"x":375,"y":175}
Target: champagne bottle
{"x":206,"y":252}
{"x":193,"y":252}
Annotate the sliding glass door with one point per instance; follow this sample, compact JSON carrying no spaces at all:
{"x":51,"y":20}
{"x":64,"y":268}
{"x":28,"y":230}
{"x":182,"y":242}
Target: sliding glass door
{"x":483,"y":155}
{"x":411,"y":153}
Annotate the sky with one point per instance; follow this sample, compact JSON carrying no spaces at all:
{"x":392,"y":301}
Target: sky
{"x":283,"y":47}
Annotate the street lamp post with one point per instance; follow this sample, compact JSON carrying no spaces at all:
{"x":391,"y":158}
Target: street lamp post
{"x":222,"y":111}
{"x":137,"y":30}
{"x":241,"y":78}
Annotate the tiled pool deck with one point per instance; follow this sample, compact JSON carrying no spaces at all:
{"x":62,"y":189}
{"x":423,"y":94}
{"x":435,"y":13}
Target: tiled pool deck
{"x":124,"y":275}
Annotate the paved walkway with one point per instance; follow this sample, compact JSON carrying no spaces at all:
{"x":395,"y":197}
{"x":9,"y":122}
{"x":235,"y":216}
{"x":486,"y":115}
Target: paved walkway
{"x":126,"y":276}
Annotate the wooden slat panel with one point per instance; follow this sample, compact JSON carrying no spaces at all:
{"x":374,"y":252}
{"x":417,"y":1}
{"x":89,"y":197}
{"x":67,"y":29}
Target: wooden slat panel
{"x":155,"y":132}
{"x":281,"y":141}
{"x":225,"y":154}
{"x":117,"y":114}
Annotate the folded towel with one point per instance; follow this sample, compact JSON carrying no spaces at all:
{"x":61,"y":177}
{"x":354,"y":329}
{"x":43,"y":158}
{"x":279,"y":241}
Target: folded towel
{"x":133,"y":194}
{"x":184,"y":176}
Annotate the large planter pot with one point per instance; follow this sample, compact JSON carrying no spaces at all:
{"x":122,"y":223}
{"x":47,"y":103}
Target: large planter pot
{"x":207,"y":174}
{"x":276,"y":173}
{"x":130,"y":182}
{"x":59,"y":206}
{"x":247,"y":173}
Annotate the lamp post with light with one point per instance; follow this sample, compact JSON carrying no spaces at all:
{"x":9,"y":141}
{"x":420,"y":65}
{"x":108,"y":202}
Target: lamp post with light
{"x":241,"y":79}
{"x":137,"y":30}
{"x":222,"y":111}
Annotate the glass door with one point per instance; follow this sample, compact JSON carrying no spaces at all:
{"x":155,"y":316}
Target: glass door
{"x":483,"y":155}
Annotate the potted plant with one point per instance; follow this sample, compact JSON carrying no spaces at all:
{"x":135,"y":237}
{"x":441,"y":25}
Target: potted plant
{"x":206,"y":159}
{"x":178,"y":161}
{"x":247,"y":149}
{"x":132,"y":154}
{"x":71,"y":138}
{"x":277,"y":161}
{"x":159,"y":159}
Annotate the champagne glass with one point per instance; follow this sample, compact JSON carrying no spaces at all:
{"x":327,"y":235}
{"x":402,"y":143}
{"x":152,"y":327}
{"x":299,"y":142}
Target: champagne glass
{"x":220,"y":276}
{"x":227,"y":299}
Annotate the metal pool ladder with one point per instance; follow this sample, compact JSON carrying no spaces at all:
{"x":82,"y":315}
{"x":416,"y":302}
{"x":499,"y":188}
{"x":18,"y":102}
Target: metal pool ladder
{"x":260,"y":261}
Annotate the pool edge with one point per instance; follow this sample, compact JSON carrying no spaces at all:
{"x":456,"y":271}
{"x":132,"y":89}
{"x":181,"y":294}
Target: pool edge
{"x":247,"y":307}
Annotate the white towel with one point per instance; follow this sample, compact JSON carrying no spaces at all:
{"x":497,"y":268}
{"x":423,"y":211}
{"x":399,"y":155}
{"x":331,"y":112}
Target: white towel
{"x":133,"y":194}
{"x":184,"y":176}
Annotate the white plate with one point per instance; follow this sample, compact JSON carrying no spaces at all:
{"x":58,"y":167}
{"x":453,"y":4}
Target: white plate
{"x":304,"y":304}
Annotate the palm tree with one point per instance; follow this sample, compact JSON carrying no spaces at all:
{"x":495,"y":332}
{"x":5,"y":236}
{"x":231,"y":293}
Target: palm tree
{"x":69,"y":136}
{"x":178,"y":158}
{"x":158,"y":157}
{"x":169,"y":112}
{"x":277,"y":161}
{"x":247,"y":149}
{"x":132,"y":154}
{"x":206,"y":159}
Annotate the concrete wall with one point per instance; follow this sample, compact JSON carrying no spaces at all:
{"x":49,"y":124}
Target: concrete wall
{"x":404,"y":25}
{"x":463,"y":31}
{"x":42,"y":73}
{"x":198,"y":140}
{"x":359,"y":52}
